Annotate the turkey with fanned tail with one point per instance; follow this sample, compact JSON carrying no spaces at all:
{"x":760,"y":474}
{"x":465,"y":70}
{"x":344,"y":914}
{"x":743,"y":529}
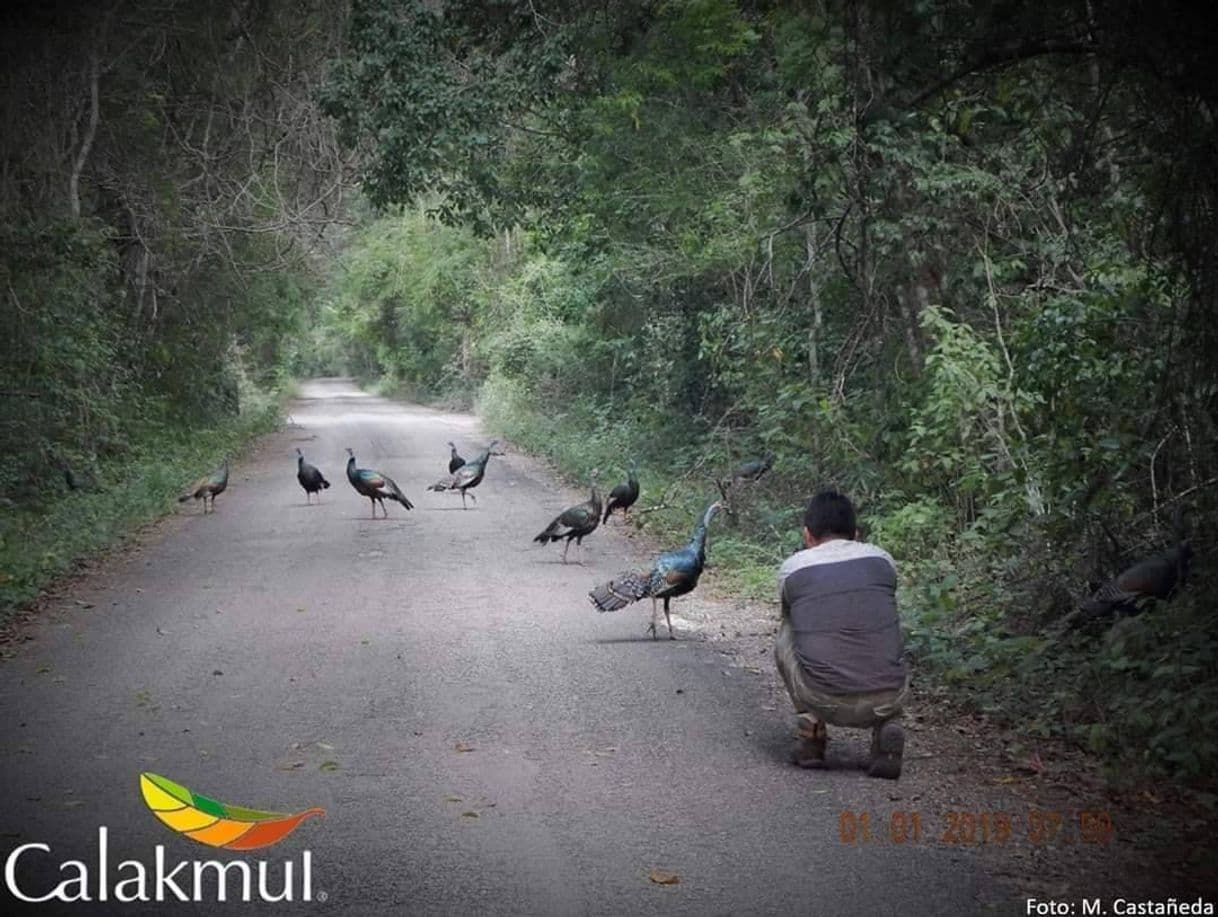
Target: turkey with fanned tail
{"x":673,"y":574}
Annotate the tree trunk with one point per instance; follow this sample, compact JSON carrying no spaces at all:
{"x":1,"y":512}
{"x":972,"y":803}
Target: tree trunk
{"x":814,"y":330}
{"x":82,"y":155}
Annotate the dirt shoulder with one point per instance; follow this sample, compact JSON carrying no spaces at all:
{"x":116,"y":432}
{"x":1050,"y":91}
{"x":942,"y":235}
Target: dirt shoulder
{"x":1073,"y":832}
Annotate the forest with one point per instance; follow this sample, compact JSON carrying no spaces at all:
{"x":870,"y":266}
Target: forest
{"x":955,"y":259}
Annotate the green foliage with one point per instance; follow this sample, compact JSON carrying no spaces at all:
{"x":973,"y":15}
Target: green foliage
{"x":933,"y":255}
{"x":402,"y":304}
{"x":66,"y":376}
{"x":166,"y":177}
{"x":46,"y":537}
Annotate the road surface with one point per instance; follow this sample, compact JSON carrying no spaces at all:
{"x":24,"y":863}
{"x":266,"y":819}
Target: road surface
{"x":282,"y":656}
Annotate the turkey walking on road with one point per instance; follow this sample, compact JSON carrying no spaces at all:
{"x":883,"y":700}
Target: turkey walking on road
{"x":575,"y":522}
{"x":624,"y":495}
{"x":375,"y":485}
{"x":310,"y":477}
{"x":673,"y":574}
{"x":455,"y":461}
{"x":211,"y":486}
{"x":466,"y":477}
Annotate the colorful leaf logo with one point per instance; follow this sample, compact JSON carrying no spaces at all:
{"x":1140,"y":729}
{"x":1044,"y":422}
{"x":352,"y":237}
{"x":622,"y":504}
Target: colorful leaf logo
{"x":216,"y":823}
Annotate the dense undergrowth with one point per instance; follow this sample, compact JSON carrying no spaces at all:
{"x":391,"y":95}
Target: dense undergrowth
{"x":953,"y":260}
{"x":983,"y":599}
{"x":42,"y":540}
{"x":167,"y":182}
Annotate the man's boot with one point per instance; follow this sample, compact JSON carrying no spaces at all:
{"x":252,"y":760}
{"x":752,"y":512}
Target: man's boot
{"x":887,"y":749}
{"x":810,"y":742}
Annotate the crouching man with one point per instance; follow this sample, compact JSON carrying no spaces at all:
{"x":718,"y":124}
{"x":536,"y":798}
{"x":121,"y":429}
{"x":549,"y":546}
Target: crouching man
{"x":839,"y":648}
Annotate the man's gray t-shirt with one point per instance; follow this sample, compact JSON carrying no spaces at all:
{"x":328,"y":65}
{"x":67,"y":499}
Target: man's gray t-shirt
{"x":841,"y":600}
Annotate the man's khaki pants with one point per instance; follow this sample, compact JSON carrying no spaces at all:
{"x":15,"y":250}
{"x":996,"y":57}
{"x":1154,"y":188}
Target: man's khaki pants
{"x":869,"y":709}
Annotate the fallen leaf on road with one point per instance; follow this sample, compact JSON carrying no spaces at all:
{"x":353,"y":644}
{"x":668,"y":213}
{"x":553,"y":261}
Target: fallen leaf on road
{"x":326,"y":746}
{"x":469,"y":813}
{"x":661,"y":877}
{"x":451,"y":798}
{"x":1033,"y":764}
{"x":289,"y":766}
{"x":462,"y":747}
{"x":43,"y":669}
{"x":328,"y":766}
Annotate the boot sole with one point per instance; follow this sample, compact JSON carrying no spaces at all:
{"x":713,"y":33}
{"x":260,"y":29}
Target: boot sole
{"x":809,"y":764}
{"x":890,"y":749}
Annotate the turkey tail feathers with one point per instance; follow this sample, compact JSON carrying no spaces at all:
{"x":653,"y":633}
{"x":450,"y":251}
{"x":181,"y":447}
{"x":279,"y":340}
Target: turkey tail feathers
{"x":195,"y":491}
{"x":393,"y":492}
{"x":550,"y":533}
{"x":618,"y":593}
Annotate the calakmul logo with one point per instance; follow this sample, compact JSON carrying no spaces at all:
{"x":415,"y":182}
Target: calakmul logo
{"x":216,"y":824}
{"x":200,"y":818}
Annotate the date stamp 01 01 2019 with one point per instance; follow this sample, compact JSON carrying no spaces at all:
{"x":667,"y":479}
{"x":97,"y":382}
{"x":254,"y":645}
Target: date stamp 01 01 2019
{"x":1036,"y":826}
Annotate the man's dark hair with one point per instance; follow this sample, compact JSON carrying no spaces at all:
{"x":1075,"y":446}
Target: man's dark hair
{"x":830,"y":513}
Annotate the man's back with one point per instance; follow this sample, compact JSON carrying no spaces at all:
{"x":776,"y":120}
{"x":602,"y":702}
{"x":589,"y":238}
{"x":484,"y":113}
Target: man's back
{"x":841,"y":599}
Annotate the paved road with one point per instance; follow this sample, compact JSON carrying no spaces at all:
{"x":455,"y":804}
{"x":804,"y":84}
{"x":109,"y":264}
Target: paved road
{"x":282,"y":656}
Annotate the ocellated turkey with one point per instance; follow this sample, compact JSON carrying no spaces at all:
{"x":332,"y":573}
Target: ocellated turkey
{"x":375,"y":485}
{"x":467,"y":476}
{"x":673,"y":574}
{"x":624,"y":495}
{"x":575,"y":522}
{"x":208,"y":487}
{"x":310,"y":478}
